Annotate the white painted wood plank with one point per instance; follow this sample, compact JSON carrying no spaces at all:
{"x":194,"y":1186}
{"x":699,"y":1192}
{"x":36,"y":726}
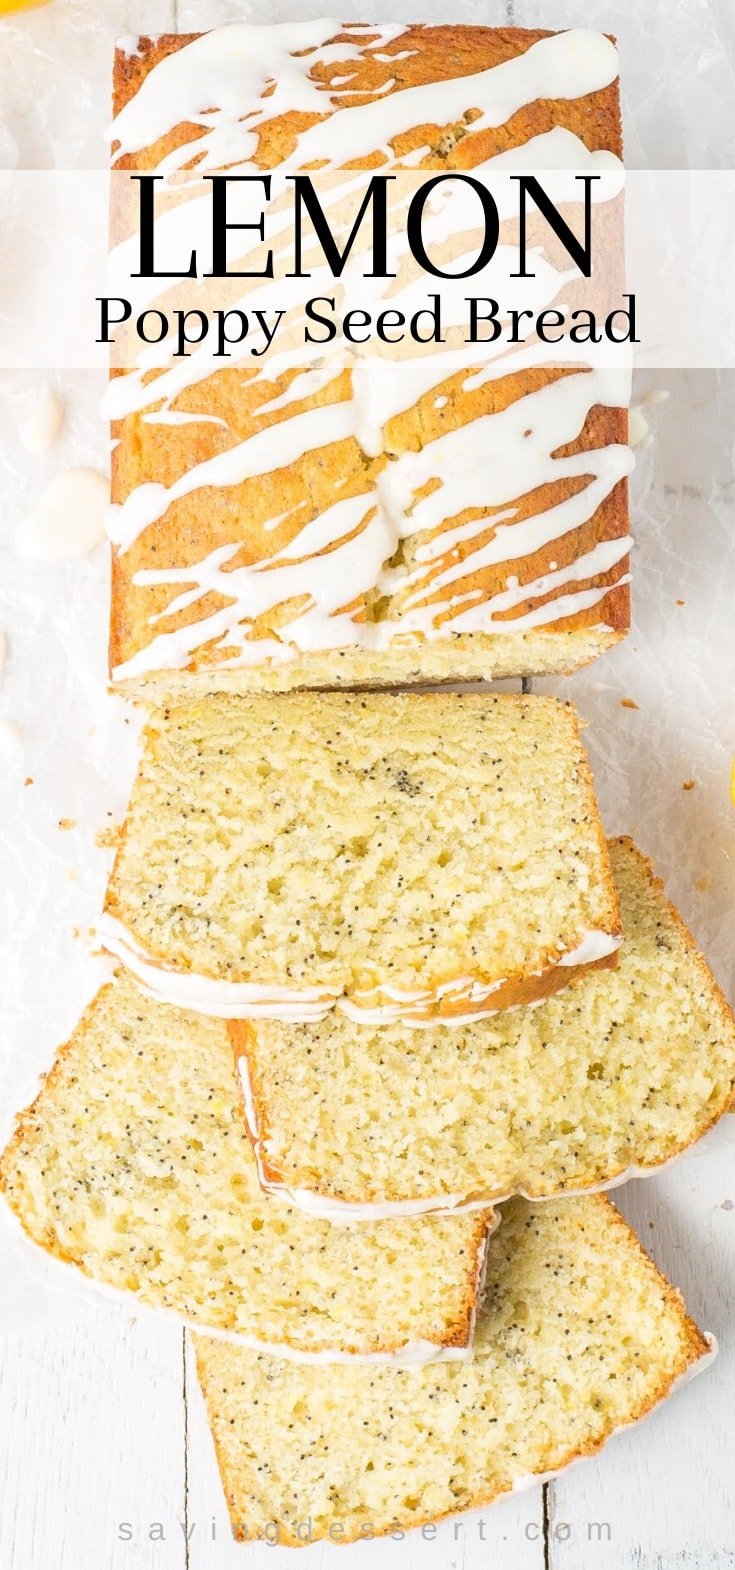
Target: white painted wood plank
{"x":666,"y":1488}
{"x":91,"y":1437}
{"x":507,"y":1537}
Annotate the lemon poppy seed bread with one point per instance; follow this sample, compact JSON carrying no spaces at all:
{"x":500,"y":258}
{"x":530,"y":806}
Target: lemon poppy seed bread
{"x":272,"y":525}
{"x":613,"y":1076}
{"x":403,"y":856}
{"x":133,"y":1164}
{"x":578,"y":1337}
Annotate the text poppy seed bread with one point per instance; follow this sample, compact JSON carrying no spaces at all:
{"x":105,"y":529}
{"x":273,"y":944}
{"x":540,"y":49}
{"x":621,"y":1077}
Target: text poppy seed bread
{"x":401,"y":856}
{"x":273,"y":526}
{"x":133,"y":1164}
{"x":611,"y":1077}
{"x":578,"y":1337}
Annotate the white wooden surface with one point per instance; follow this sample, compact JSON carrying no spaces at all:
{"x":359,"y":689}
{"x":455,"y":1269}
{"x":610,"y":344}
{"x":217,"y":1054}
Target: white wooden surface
{"x":105,"y":1456}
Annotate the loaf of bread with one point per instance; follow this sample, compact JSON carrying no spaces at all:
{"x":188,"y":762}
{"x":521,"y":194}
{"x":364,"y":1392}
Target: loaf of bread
{"x":276,"y":525}
{"x":402,"y":856}
{"x":579,"y":1336}
{"x":608,"y":1079}
{"x":133,"y":1165}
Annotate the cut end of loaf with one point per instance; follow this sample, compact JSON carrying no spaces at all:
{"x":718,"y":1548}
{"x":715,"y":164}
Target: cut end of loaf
{"x":403,"y":856}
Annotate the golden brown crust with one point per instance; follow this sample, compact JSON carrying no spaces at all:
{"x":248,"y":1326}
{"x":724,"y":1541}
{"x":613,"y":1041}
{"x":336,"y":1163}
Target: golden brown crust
{"x":694,"y":1346}
{"x":213,"y":517}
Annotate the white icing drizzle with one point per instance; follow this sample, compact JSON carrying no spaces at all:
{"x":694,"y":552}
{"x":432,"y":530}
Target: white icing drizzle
{"x":273,"y":448}
{"x":345,"y":549}
{"x":383,"y":1004}
{"x":594,"y":946}
{"x":230,"y":83}
{"x":232,"y":67}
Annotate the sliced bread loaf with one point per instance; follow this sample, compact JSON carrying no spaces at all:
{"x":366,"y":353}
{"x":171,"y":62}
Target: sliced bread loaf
{"x":612,"y":1076}
{"x":579,"y":1336}
{"x":404,"y":856}
{"x":134,"y":1165}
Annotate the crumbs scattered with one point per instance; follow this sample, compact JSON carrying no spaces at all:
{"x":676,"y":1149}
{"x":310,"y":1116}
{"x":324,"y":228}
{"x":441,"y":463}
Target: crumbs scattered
{"x":681,"y":602}
{"x":703,"y":884}
{"x":28,"y":779}
{"x":67,"y":823}
{"x":688,"y":784}
{"x":727,"y":1204}
{"x":629,"y":703}
{"x":109,"y":838}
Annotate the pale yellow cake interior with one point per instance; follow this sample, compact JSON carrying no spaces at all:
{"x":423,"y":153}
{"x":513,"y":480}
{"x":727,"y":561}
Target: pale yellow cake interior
{"x":579,"y":1336}
{"x":624,"y":1067}
{"x":345,"y":842}
{"x":134,"y":1165}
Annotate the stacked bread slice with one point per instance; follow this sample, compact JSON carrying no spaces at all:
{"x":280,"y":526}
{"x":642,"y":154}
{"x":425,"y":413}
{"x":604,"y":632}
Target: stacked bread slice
{"x":578,"y":1337}
{"x":309,"y":1178}
{"x":379,"y":972}
{"x":607,"y":1079}
{"x":134,"y":1164}
{"x":417,"y":857}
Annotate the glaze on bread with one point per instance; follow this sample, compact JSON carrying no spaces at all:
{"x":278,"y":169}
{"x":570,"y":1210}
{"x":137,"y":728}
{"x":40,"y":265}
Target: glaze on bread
{"x":410,"y":553}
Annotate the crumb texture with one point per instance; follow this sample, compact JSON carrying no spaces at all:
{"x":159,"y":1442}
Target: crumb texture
{"x":351,"y":843}
{"x":134,"y":1164}
{"x":624,"y":1067}
{"x":579,"y":1336}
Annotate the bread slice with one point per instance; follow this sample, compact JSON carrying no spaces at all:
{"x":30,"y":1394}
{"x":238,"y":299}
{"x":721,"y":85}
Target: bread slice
{"x":579,"y":1336}
{"x":133,"y":1164}
{"x":503,"y":579}
{"x":608,"y":1079}
{"x":404,"y":856}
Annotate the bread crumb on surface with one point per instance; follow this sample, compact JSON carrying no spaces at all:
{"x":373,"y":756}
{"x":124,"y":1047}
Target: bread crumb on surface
{"x":67,"y":823}
{"x":108,"y":838}
{"x":688,"y":784}
{"x":629,"y":703}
